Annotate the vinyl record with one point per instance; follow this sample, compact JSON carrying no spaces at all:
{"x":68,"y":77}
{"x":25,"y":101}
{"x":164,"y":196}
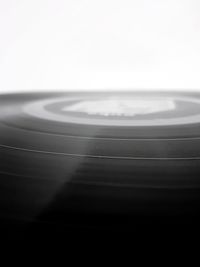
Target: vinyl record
{"x":100,"y":159}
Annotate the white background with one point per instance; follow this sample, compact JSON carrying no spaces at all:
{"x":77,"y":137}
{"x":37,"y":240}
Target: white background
{"x":92,"y":44}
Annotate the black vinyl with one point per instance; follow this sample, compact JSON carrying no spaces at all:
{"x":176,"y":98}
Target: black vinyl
{"x":89,"y":176}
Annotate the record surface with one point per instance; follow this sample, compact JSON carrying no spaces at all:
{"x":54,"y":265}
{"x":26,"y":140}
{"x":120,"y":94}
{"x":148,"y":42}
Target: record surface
{"x":100,"y":159}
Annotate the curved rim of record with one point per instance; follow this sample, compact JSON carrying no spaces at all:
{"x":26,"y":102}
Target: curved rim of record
{"x":20,"y":129}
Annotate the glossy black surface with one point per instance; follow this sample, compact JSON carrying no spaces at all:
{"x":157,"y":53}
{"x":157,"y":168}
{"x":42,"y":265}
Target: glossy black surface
{"x":55,"y":176}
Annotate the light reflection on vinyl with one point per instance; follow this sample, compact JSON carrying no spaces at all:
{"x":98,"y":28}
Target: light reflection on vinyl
{"x":103,"y":159}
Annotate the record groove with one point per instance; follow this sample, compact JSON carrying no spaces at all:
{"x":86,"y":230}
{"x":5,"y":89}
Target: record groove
{"x":64,"y":156}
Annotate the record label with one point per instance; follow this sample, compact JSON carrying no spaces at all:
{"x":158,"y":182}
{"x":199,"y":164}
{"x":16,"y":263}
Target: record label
{"x":118,"y":111}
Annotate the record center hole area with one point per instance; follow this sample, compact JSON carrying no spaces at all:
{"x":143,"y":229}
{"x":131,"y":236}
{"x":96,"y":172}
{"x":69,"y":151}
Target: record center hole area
{"x":111,"y":106}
